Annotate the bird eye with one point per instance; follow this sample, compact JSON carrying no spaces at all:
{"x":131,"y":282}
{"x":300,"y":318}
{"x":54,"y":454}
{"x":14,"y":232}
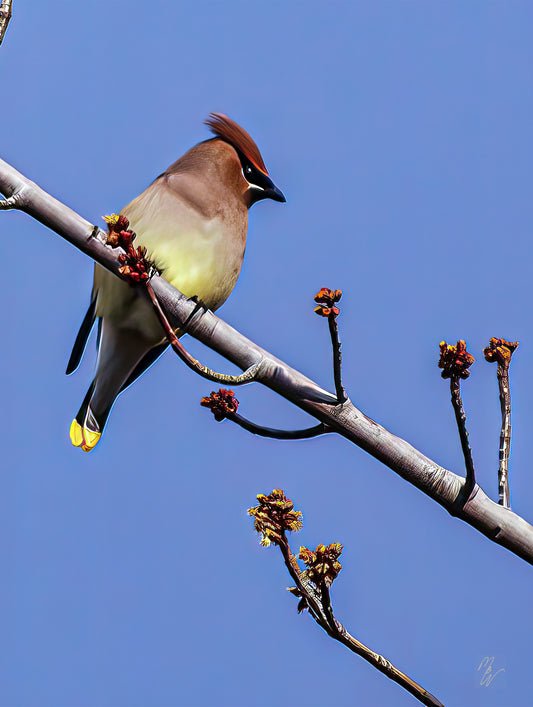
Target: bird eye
{"x":248,"y":169}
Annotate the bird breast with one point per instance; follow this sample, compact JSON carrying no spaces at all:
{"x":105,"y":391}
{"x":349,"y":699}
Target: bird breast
{"x":200,"y":253}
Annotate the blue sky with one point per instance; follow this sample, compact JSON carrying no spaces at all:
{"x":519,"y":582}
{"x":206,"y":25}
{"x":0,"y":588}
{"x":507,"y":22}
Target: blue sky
{"x":400,"y":133}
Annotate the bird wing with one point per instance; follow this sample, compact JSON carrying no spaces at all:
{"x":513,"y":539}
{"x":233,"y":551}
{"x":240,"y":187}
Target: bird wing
{"x":145,"y":363}
{"x":81,"y":338}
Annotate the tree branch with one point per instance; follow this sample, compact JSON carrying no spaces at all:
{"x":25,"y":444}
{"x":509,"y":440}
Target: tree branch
{"x":273,"y":517}
{"x":497,"y":523}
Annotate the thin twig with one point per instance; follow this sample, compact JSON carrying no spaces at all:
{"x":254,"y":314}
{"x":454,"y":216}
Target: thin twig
{"x":505,"y":435}
{"x":272,"y":433}
{"x":460,"y":418}
{"x":5,"y":16}
{"x":249,"y":375}
{"x":501,"y":351}
{"x":337,"y":358}
{"x":322,"y":613}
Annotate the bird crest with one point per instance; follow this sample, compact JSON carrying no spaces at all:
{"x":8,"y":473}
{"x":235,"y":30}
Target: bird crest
{"x":228,"y":130}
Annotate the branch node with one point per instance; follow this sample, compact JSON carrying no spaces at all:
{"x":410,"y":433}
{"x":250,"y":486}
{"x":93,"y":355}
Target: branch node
{"x":14,"y":201}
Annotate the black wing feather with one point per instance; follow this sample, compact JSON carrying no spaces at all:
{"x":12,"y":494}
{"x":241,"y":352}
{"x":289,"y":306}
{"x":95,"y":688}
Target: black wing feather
{"x":81,"y":339}
{"x":144,"y":363}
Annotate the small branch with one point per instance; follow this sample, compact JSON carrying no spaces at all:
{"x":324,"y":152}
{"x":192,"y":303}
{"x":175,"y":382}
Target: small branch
{"x":326,"y":620}
{"x":307,"y":433}
{"x":248,"y":376}
{"x":455,"y":362}
{"x":460,"y":418}
{"x":5,"y":16}
{"x":224,"y":406}
{"x":326,"y":300}
{"x":273,"y":517}
{"x":337,"y":358}
{"x":501,"y":351}
{"x":505,"y":436}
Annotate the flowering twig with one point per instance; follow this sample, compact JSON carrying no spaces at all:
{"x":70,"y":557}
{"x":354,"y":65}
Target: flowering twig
{"x":224,"y":406}
{"x":326,"y":300}
{"x":5,"y":16}
{"x":137,"y":269}
{"x":501,"y":351}
{"x":273,"y":518}
{"x":455,"y":362}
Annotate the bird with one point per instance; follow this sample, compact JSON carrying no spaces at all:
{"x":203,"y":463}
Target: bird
{"x":193,"y":221}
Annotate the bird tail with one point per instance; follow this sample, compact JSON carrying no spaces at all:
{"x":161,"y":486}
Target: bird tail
{"x":86,"y":428}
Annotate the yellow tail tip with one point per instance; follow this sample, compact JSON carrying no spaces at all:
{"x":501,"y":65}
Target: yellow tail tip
{"x":83,"y":437}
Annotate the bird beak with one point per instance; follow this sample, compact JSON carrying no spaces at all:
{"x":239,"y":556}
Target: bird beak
{"x":272,"y":192}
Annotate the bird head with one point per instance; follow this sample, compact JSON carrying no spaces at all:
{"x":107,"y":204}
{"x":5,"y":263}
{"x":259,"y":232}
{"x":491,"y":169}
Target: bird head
{"x":259,"y":184}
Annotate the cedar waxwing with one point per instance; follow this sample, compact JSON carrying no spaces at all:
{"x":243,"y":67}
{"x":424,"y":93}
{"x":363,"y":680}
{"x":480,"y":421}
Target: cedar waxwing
{"x":193,"y":220}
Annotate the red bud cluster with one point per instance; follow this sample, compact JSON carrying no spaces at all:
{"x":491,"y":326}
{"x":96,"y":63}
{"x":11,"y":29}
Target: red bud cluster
{"x":455,"y":360}
{"x":500,"y":350}
{"x":221,"y":403}
{"x":327,"y":299}
{"x":135,"y":265}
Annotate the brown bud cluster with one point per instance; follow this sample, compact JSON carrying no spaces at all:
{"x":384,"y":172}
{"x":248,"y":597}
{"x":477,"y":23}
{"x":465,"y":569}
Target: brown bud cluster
{"x":500,"y":350}
{"x":221,"y":403}
{"x":322,"y":564}
{"x":455,"y":360}
{"x":273,"y":516}
{"x":326,"y":299}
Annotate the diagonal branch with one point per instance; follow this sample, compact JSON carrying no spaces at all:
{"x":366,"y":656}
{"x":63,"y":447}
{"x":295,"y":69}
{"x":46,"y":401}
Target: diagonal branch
{"x":499,"y":524}
{"x":273,"y":517}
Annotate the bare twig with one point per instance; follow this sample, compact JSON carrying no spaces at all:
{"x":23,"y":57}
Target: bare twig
{"x":455,"y":362}
{"x":327,"y":299}
{"x":273,"y":517}
{"x":337,"y":358}
{"x":224,"y":406}
{"x":249,"y":375}
{"x":5,"y":16}
{"x":500,"y":525}
{"x":501,"y":351}
{"x":460,"y":418}
{"x":261,"y":431}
